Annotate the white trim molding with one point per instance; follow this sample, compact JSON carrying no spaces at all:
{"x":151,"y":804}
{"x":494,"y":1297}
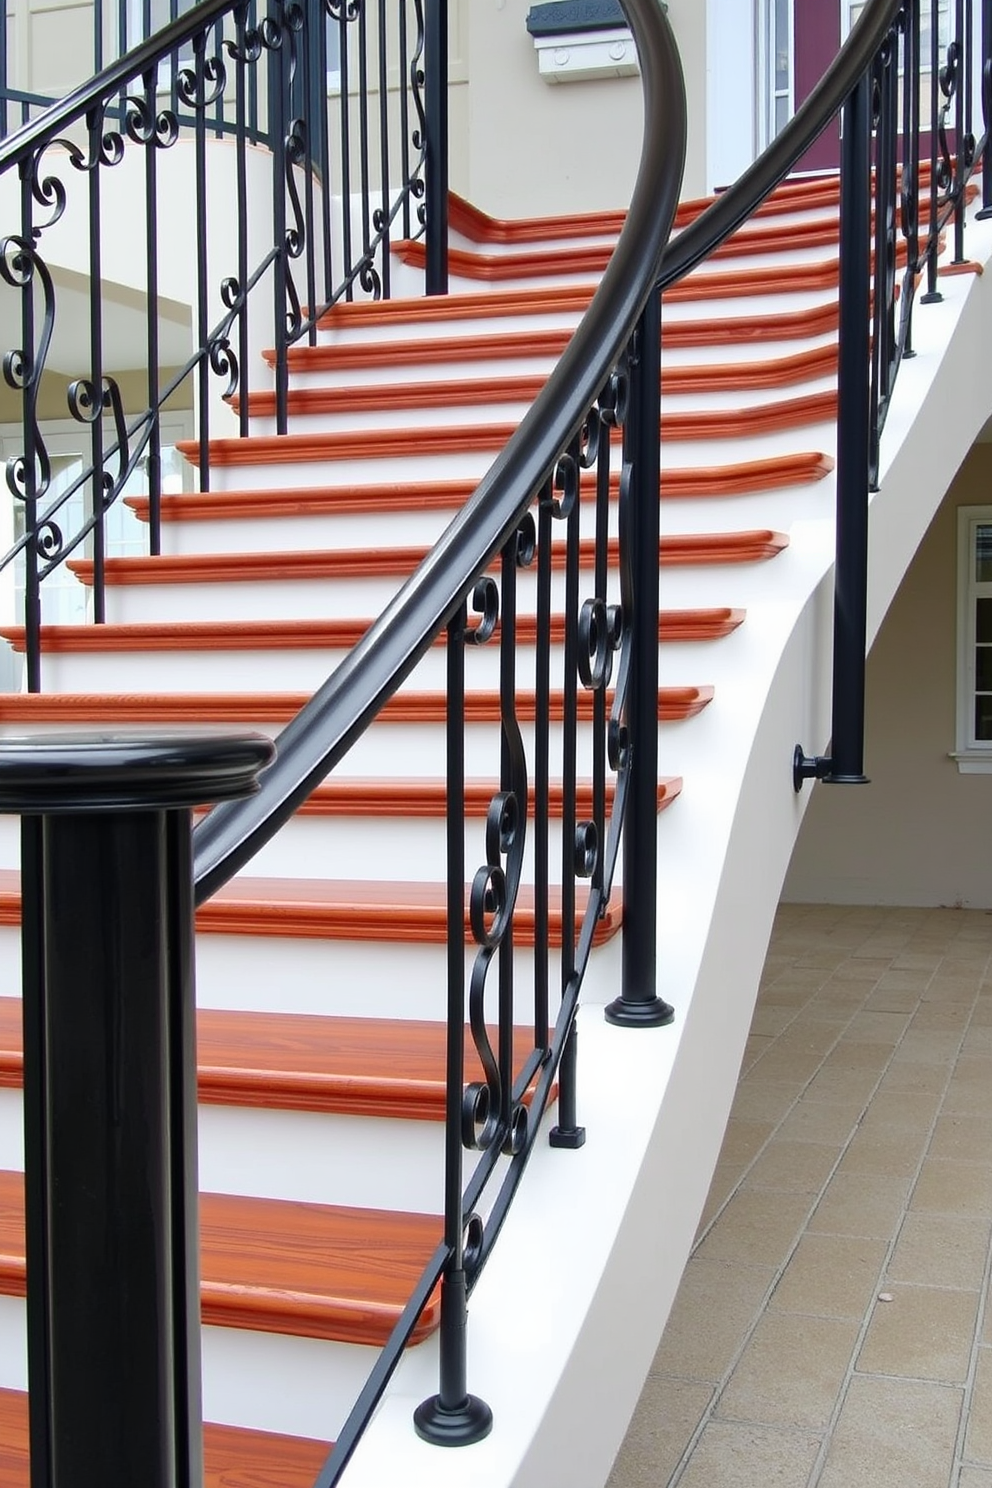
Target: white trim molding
{"x":973,"y":749}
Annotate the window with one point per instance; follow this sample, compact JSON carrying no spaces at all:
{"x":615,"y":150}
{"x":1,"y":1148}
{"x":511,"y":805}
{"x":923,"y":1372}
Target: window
{"x":974,"y":725}
{"x":775,"y":67}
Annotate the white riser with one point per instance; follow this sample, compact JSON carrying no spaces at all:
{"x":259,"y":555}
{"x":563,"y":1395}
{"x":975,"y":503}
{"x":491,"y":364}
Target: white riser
{"x":300,"y":1386}
{"x":400,"y":468}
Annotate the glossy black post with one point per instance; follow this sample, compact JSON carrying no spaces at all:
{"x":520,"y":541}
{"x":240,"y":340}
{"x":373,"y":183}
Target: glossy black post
{"x":639,"y":1005}
{"x":436,"y":165}
{"x":845,"y":764}
{"x":453,"y":1417}
{"x":113,"y":1299}
{"x":986,"y":208}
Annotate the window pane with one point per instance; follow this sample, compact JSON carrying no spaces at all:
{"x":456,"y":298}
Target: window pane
{"x":781,"y":44}
{"x":983,"y":620}
{"x":983,"y":554}
{"x":983,"y":718}
{"x":983,"y":668}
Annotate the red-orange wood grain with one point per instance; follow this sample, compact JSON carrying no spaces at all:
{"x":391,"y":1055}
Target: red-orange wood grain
{"x":311,"y":1270}
{"x":677,"y":549}
{"x":733,"y":479}
{"x":313,"y":635}
{"x":304,"y":1062}
{"x":233,"y":1457}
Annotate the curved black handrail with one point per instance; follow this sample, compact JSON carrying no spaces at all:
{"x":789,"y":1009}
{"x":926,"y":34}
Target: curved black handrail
{"x":739,"y":202}
{"x":323,"y":732}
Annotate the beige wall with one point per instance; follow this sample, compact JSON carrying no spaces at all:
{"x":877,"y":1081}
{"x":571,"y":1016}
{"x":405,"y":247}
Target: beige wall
{"x":921,"y":832}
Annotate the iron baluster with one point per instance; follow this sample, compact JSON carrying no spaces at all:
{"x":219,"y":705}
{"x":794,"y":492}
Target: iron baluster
{"x":403,"y":48}
{"x":280,"y":76}
{"x":436,"y":167}
{"x":348,"y":262}
{"x":363,"y":131}
{"x":910,"y":174}
{"x":986,"y":208}
{"x":241,"y":186}
{"x":29,"y":492}
{"x":883,"y":343}
{"x":845,"y":763}
{"x":453,"y":1417}
{"x":153,"y":462}
{"x":380,"y":219}
{"x":542,"y":766}
{"x":963,"y":142}
{"x":933,"y":294}
{"x":639,"y":1004}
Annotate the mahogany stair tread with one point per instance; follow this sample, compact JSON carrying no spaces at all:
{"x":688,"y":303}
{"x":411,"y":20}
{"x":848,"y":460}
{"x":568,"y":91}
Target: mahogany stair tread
{"x":306,"y":1062}
{"x":773,"y":472}
{"x":676,"y":549}
{"x":724,"y":377}
{"x":313,"y":635}
{"x":407,"y":912}
{"x":469,"y":220}
{"x":282,"y":1266}
{"x":474,"y":438}
{"x":233,"y":1456}
{"x":674,"y":703}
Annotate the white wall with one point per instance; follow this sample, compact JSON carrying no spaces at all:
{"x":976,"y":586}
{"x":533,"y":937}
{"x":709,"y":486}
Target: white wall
{"x":921,"y":833}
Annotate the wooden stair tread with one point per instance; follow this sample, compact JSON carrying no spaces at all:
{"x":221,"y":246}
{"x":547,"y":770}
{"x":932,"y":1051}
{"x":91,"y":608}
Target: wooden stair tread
{"x":233,"y":1456}
{"x":819,"y":276}
{"x":374,"y":1067}
{"x":774,"y":472}
{"x":282,"y":1266}
{"x":722,"y":377}
{"x":787,"y":325}
{"x":469,"y":220}
{"x":342,"y":909}
{"x":312,"y":635}
{"x":279,"y":707}
{"x":676,"y":549}
{"x":750,"y":239}
{"x":372,"y":444}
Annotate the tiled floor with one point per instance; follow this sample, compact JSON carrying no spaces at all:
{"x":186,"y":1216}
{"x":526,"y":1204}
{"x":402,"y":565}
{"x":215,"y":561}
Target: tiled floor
{"x":833,"y":1327}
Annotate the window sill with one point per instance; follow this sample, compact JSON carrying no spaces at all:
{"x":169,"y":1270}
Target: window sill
{"x":973,"y":761}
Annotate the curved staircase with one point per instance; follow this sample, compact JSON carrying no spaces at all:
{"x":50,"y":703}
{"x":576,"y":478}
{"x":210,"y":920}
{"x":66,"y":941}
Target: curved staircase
{"x":320,"y":970}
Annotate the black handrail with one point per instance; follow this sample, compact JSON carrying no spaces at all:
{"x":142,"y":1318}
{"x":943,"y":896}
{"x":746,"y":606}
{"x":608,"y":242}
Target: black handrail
{"x":323,"y":732}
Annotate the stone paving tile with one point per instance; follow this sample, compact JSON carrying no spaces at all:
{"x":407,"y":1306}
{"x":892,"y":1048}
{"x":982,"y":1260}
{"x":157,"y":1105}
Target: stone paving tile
{"x":962,"y":1135}
{"x":978,"y":1439}
{"x":819,"y":1122}
{"x":700,"y":1340}
{"x":667,"y":1414}
{"x":760,"y":1100}
{"x":745,"y":1456}
{"x":959,"y":1188}
{"x":795,"y":1167}
{"x":791,"y":1371}
{"x":875,"y":1150}
{"x":922,"y":1333}
{"x":861,"y":1204}
{"x":830,"y":1276}
{"x":938,"y":1250}
{"x":757,"y":1228}
{"x":743,"y":1140}
{"x":893,"y":1434}
{"x":974,"y":1477}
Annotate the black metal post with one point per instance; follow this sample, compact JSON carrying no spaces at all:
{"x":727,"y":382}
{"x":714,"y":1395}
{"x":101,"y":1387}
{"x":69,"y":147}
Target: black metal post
{"x":845,"y":763}
{"x":986,"y":209}
{"x":436,"y":163}
{"x":113,"y":1302}
{"x":639,"y":1005}
{"x":453,"y":1417}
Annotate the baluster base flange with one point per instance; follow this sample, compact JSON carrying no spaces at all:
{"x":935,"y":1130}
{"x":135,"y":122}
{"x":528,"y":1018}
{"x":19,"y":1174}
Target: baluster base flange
{"x":469,"y":1422}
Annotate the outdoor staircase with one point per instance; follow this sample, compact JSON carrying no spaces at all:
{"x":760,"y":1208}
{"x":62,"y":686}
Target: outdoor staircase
{"x":320,"y":970}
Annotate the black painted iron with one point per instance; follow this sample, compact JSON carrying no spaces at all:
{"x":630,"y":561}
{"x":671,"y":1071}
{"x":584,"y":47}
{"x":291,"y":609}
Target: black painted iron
{"x":639,"y":1005}
{"x":113,"y":1298}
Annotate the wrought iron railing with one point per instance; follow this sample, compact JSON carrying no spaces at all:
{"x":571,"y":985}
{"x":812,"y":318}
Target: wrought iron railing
{"x":346,"y":176}
{"x":591,"y":439}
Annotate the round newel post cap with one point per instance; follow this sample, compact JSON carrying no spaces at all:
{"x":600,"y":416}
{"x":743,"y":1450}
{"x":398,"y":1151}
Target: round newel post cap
{"x":76,"y":773}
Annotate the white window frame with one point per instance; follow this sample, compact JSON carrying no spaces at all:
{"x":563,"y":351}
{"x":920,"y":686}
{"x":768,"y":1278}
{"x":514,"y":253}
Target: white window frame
{"x":767,"y":93}
{"x":973,"y":756}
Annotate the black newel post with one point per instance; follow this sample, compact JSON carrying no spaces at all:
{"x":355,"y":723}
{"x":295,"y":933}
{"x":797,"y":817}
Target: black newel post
{"x":639,"y":1005}
{"x":845,"y":763}
{"x":113,"y":1303}
{"x":436,"y":164}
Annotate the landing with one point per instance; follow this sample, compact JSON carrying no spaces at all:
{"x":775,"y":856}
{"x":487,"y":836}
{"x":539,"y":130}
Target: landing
{"x":832,"y":1329}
